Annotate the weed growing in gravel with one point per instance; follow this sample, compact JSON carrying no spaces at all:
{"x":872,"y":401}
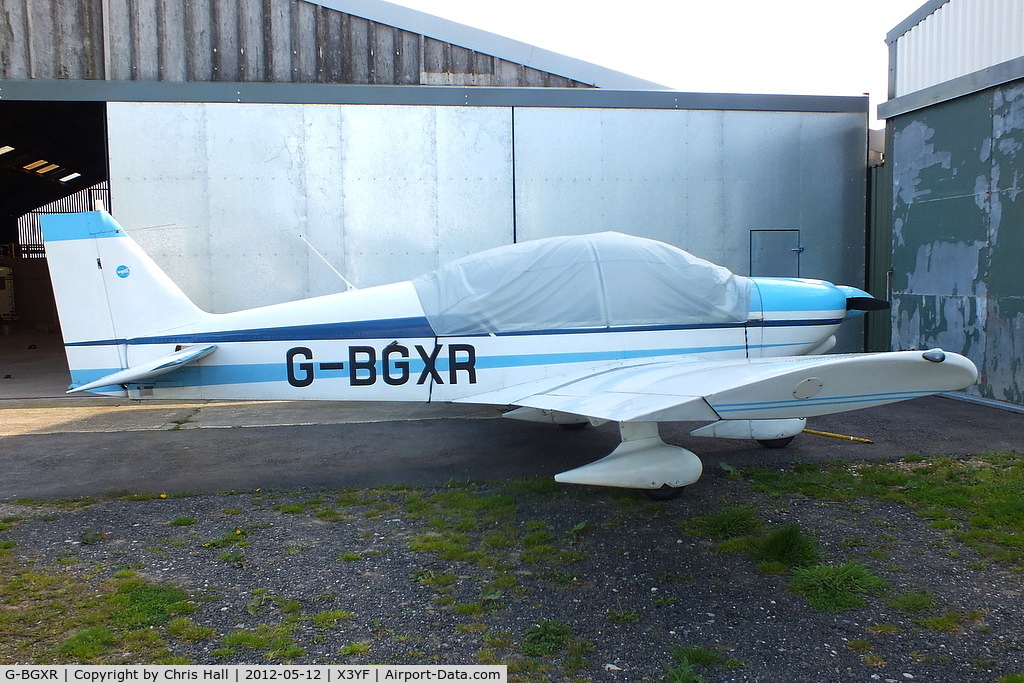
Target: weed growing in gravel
{"x":275,"y":642}
{"x":913,"y":602}
{"x":731,"y":522}
{"x":183,"y":521}
{"x":620,"y":617}
{"x":835,"y":588}
{"x":331,"y":618}
{"x":883,"y":629}
{"x":262,"y":599}
{"x":785,"y":547}
{"x":688,"y":657}
{"x":545,"y":638}
{"x":952,"y":622}
{"x":234,"y":537}
{"x":354,"y":649}
{"x":697,"y":655}
{"x":682,"y":673}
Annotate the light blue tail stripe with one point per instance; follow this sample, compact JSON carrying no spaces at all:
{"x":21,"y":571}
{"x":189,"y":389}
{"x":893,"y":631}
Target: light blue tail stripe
{"x":62,"y":227}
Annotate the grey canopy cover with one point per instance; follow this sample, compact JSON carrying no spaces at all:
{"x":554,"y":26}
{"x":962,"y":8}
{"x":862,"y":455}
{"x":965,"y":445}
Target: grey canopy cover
{"x":599,"y":281}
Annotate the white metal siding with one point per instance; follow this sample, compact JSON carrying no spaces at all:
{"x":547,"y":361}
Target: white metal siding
{"x":959,"y":38}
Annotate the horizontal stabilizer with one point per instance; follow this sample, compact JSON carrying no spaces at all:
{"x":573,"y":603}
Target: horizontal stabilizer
{"x":153,"y":368}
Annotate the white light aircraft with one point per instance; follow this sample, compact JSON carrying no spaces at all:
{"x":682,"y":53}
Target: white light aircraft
{"x":569,"y":330}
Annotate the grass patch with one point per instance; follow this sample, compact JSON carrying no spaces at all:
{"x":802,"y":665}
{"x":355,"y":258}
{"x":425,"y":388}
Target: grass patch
{"x":51,"y":616}
{"x":88,"y":644}
{"x":976,"y":500}
{"x":184,"y":630}
{"x":139,"y":606}
{"x":835,"y":588}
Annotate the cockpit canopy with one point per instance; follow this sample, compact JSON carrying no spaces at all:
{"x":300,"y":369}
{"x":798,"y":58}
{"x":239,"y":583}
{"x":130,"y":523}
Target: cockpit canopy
{"x":600,"y":281}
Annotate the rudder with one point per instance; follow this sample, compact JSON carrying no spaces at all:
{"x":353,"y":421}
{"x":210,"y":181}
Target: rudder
{"x":108,"y":292}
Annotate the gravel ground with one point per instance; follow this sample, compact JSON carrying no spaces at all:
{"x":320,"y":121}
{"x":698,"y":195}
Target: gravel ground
{"x":623,"y":573}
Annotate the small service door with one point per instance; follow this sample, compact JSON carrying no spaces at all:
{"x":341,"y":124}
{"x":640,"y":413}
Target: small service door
{"x":775,"y":253}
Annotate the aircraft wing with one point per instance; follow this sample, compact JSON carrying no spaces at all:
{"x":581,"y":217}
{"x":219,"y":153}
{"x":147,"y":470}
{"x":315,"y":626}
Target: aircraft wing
{"x":742,"y":389}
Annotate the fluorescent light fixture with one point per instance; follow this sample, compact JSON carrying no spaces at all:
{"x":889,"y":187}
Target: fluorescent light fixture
{"x":5,"y":149}
{"x":47,"y":169}
{"x":69,"y":177}
{"x":35,"y":164}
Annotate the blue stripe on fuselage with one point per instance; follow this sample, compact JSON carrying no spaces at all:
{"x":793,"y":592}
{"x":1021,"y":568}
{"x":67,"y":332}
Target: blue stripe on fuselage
{"x":405,"y":328}
{"x":394,"y":328}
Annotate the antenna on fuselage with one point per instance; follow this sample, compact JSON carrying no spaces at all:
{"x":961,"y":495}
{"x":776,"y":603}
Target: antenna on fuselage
{"x":348,"y":284}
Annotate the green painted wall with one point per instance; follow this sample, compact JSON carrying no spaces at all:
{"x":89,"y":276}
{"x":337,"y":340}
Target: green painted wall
{"x":958,"y":233}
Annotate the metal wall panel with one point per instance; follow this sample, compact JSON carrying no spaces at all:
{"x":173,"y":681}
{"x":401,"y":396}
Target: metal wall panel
{"x":220,"y":192}
{"x":960,"y":37}
{"x":699,"y":179}
{"x":958,"y":234}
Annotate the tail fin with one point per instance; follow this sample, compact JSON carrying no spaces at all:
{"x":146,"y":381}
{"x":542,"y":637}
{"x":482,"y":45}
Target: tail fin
{"x":108,"y":292}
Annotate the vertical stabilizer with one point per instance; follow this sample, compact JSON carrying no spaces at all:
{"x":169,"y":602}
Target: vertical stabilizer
{"x":108,"y":292}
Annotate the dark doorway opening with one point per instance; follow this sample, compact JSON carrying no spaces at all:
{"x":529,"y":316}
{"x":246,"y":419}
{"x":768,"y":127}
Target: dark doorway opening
{"x":51,"y":154}
{"x":48,"y":151}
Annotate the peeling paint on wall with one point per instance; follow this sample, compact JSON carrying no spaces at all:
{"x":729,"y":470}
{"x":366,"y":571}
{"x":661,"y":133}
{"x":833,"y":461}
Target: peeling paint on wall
{"x":1005,"y":353}
{"x":947,"y":266}
{"x":913,"y":153}
{"x":958,"y":234}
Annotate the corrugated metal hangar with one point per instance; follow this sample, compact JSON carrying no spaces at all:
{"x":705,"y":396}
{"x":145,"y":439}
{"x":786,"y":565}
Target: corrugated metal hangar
{"x":233,"y":135}
{"x":955,"y":125}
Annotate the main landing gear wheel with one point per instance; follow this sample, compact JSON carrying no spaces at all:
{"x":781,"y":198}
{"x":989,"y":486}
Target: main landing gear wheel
{"x":776,"y":443}
{"x":666,"y":492}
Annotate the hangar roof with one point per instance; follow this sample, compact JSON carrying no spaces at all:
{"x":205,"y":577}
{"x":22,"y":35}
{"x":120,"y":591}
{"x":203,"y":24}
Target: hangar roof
{"x":489,"y":43}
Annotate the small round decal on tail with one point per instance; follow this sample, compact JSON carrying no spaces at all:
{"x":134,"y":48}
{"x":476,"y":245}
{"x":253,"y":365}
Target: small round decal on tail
{"x":123,"y":271}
